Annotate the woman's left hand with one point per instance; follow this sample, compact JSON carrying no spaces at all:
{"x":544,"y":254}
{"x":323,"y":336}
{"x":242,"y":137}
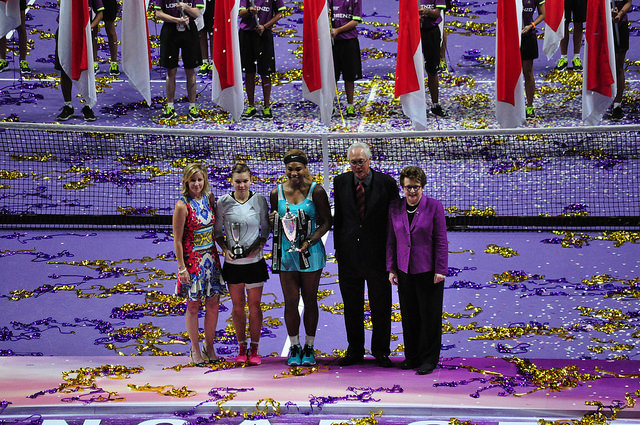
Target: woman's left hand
{"x":437,"y":278}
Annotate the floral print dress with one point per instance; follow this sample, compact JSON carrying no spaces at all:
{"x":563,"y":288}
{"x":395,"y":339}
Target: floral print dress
{"x":200,"y":254}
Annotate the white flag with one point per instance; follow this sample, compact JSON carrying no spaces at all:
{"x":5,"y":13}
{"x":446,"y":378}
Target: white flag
{"x":136,"y":51}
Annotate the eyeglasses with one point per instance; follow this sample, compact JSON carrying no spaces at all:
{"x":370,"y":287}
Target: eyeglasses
{"x":358,"y":162}
{"x":412,"y":188}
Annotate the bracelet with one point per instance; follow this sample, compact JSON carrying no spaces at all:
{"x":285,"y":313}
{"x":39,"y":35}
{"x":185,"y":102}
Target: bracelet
{"x":182,"y":270}
{"x":533,"y":24}
{"x":309,"y":241}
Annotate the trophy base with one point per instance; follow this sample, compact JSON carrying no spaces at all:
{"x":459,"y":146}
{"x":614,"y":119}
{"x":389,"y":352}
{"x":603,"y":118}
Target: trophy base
{"x":294,"y":250}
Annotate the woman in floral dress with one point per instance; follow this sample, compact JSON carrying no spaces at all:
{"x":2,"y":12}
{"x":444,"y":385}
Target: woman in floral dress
{"x":198,"y":262}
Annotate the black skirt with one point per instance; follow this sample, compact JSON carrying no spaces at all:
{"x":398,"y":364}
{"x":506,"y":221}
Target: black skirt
{"x":245,"y":273}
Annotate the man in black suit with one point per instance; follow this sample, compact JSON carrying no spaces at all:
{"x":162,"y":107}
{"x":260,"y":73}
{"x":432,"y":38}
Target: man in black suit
{"x":362,"y":198}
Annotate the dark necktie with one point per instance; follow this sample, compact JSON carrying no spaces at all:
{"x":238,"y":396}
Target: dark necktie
{"x":360,"y":201}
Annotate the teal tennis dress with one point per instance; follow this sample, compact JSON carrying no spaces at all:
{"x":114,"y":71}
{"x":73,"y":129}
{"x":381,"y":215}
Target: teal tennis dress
{"x":200,"y":254}
{"x":291,"y":260}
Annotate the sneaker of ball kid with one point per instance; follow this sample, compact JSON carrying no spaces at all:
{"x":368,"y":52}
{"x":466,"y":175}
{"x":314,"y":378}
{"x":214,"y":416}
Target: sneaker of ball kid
{"x":351,"y":111}
{"x":204,"y":69}
{"x":250,"y":112}
{"x":562,"y":64}
{"x":65,"y":113}
{"x":577,"y":64}
{"x":24,"y":67}
{"x":3,"y":65}
{"x":617,"y":113}
{"x":437,"y":110}
{"x":266,"y":113}
{"x":530,"y":112}
{"x":114,"y":69}
{"x":168,"y":113}
{"x":194,"y":113}
{"x":88,"y":114}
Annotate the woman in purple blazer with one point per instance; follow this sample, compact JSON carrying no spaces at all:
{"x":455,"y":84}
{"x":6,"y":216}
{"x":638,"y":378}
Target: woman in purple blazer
{"x":417,"y":264}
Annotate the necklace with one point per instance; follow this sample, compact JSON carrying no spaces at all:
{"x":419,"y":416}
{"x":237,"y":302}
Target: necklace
{"x":413,"y":210}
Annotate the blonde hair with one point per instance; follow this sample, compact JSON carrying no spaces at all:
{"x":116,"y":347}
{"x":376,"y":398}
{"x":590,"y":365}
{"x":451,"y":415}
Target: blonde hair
{"x":189,"y":171}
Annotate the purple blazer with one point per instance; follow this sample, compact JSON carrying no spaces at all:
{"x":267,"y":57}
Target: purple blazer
{"x":421,"y":247}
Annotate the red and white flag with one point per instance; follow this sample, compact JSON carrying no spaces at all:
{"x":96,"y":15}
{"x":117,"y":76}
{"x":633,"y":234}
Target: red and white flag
{"x":318,"y":78}
{"x":553,"y":33}
{"x":410,"y":65}
{"x":509,"y":81}
{"x":75,"y":49}
{"x":136,"y":49}
{"x":227,"y":69}
{"x":9,"y":16}
{"x":599,"y":75}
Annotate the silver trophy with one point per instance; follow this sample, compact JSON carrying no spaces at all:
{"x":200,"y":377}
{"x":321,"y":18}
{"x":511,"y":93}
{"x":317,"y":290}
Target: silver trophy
{"x":290,"y":229}
{"x":235,"y":230}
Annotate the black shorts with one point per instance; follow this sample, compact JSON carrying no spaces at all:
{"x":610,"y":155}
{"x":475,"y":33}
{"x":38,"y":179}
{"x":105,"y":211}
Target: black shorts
{"x":346,"y":59}
{"x":110,"y":11}
{"x":529,"y":46}
{"x":174,"y":42}
{"x":575,"y":10}
{"x":257,"y":50}
{"x":208,"y":16}
{"x":245,"y":273}
{"x":621,"y":37}
{"x":431,"y":48}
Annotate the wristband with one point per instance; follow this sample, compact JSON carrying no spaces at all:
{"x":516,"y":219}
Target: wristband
{"x":533,"y":24}
{"x":182,"y":270}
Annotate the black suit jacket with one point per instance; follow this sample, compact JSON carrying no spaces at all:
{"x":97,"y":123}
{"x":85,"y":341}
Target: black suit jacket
{"x":360,"y":244}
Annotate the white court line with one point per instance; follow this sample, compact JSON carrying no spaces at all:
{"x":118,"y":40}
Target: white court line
{"x":371,"y":98}
{"x":287,"y":343}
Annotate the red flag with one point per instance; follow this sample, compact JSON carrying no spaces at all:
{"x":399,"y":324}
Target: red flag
{"x":599,"y":78}
{"x":409,"y":84}
{"x":554,"y":18}
{"x":227,"y":70}
{"x":509,"y":83}
{"x":75,"y":48}
{"x":318,"y":80}
{"x":223,"y":42}
{"x":79,"y":22}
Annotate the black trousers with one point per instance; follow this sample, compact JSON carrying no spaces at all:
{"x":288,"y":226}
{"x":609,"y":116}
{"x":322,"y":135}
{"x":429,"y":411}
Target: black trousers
{"x":379,"y":295}
{"x":421,"y":310}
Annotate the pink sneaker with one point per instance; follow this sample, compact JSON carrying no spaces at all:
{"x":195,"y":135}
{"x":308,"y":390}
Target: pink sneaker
{"x":254,"y":358}
{"x":242,"y":355}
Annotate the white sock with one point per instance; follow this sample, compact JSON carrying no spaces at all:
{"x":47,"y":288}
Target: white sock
{"x":576,"y":56}
{"x":192,"y":105}
{"x":294,"y":339}
{"x":616,"y":105}
{"x":69,"y":104}
{"x":309,"y":340}
{"x":563,"y":56}
{"x":170,"y":105}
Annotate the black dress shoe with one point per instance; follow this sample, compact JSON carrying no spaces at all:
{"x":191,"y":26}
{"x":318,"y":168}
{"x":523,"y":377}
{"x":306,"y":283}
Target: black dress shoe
{"x":383,"y":361}
{"x":408,"y":364}
{"x":425,"y":369}
{"x":350,"y":359}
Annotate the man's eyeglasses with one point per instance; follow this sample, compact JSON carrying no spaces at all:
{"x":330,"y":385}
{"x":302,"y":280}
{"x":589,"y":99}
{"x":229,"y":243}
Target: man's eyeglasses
{"x":358,"y":162}
{"x":412,"y":188}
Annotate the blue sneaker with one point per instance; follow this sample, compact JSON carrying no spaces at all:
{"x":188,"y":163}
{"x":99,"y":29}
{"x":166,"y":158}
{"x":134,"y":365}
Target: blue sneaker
{"x":308,"y":356}
{"x":295,"y":355}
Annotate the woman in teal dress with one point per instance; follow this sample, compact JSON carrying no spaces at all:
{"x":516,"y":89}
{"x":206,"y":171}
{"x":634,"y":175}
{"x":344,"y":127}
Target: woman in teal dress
{"x":300,"y":271}
{"x":198,"y":261}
